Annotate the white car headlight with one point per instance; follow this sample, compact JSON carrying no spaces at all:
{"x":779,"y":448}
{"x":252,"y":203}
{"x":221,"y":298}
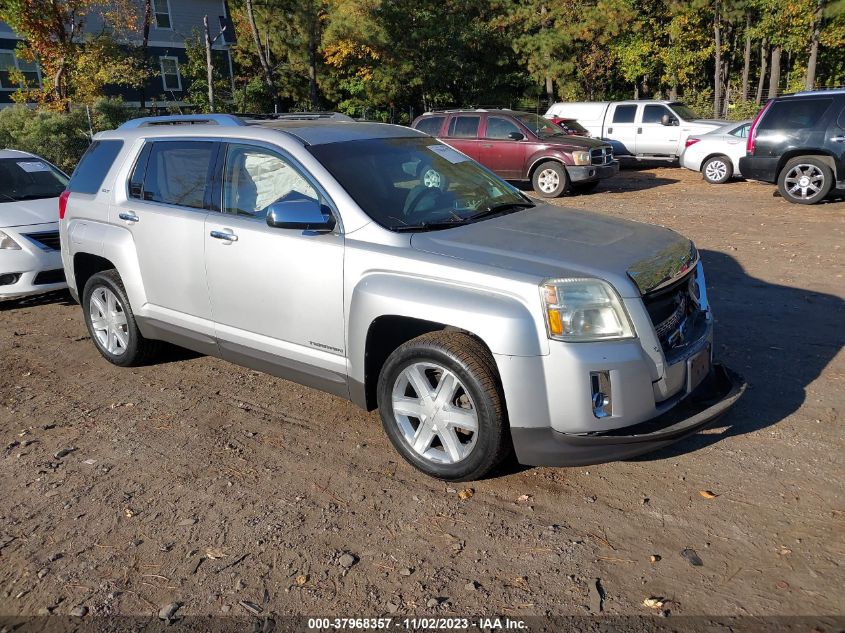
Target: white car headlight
{"x":581,"y":158}
{"x":584,"y":310}
{"x":7,"y":243}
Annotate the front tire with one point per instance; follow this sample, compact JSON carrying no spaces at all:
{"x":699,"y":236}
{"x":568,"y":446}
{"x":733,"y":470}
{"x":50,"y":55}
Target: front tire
{"x":805,"y":180}
{"x":111,"y":322}
{"x":717,"y":170}
{"x":550,"y":179}
{"x":441,"y":406}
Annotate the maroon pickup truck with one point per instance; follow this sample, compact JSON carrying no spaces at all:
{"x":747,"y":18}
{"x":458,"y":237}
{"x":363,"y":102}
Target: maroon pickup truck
{"x":523,"y":146}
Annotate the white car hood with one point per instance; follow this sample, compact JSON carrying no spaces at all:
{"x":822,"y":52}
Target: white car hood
{"x":28,"y":212}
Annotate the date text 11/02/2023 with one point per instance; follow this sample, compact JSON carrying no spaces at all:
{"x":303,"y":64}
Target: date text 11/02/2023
{"x":415,"y":624}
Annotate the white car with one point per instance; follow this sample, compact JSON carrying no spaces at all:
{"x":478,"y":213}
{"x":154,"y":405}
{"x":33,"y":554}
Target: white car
{"x":716,"y":154}
{"x":30,"y":257}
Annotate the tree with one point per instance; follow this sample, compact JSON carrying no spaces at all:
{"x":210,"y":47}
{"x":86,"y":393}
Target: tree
{"x":53,"y":32}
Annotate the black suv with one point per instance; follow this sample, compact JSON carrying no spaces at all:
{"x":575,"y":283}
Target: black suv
{"x":798,"y":141}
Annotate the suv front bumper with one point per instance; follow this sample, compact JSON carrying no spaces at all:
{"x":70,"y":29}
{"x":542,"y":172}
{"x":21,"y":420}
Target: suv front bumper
{"x":589,"y":173}
{"x":544,"y":446}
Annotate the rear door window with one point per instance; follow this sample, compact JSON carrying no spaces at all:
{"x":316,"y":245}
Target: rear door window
{"x":89,"y":175}
{"x":430,"y":125}
{"x":179,"y":173}
{"x":464,"y":126}
{"x":794,"y":114}
{"x":841,"y":121}
{"x":624,"y":113}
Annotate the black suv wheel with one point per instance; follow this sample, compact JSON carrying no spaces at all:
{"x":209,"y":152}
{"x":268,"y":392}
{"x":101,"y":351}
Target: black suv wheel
{"x":805,"y":180}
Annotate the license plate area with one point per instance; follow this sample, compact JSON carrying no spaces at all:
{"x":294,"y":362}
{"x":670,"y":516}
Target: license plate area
{"x":697,"y":368}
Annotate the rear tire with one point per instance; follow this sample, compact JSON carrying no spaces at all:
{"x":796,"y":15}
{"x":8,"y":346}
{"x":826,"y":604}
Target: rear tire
{"x":717,"y":170}
{"x":111,"y":322}
{"x":550,"y":179}
{"x":805,"y":180}
{"x":441,"y":406}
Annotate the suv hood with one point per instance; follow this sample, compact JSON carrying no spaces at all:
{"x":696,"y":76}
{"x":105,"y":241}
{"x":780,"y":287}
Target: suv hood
{"x":548,"y":241}
{"x":26,"y":212}
{"x":575,"y":142}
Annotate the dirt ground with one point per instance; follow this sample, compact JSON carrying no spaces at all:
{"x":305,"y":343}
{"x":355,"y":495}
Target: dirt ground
{"x":199,"y":482}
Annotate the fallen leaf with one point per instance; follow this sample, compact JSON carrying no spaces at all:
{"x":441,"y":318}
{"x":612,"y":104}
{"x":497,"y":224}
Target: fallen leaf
{"x":707,"y":494}
{"x":129,"y":512}
{"x":214,"y":553}
{"x":523,"y":498}
{"x":653,"y":602}
{"x":692,"y":557}
{"x":466,"y":493}
{"x":654,"y":558}
{"x":301,"y":579}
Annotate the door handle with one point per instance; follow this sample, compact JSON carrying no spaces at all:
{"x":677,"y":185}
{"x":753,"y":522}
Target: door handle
{"x":485,"y":145}
{"x":128,"y":217}
{"x":838,"y":139}
{"x":639,"y":130}
{"x":610,"y":130}
{"x":223,"y":235}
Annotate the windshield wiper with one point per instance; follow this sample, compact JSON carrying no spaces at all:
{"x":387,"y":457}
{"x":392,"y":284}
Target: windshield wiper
{"x":428,"y":226}
{"x":501,"y":209}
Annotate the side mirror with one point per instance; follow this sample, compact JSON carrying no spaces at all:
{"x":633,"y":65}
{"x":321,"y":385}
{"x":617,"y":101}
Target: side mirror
{"x":668,"y":119}
{"x":516,"y":136}
{"x":302,"y":213}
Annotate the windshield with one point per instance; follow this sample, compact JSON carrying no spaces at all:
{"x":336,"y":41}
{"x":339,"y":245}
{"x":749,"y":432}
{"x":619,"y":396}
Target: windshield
{"x":571,"y":126}
{"x":29,"y":178}
{"x":541,"y":126}
{"x":417,"y":183}
{"x":684,"y":111}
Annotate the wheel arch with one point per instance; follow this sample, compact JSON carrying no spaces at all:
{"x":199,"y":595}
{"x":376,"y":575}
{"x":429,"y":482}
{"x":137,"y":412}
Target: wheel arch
{"x":535,"y":161}
{"x":820,"y":154}
{"x":85,"y":266}
{"x":387,"y":310}
{"x":734,"y":166}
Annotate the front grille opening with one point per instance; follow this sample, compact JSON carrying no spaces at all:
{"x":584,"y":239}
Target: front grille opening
{"x":671,"y":309}
{"x":46,"y":240}
{"x":49,"y":277}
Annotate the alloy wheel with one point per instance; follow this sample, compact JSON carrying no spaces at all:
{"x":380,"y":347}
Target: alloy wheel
{"x":435,"y":413}
{"x":804,"y":181}
{"x":716,"y":170}
{"x":548,"y":181}
{"x":108,"y":321}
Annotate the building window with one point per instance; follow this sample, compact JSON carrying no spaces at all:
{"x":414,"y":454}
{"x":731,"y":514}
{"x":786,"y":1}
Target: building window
{"x":9,"y":63}
{"x":161,"y":10}
{"x":170,"y":77}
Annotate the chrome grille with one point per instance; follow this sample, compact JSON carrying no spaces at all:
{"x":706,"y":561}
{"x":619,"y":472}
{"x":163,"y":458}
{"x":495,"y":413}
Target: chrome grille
{"x":45,"y":240}
{"x":601,"y":155}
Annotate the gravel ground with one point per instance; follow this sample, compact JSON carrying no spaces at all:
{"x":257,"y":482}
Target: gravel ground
{"x":227,"y":491}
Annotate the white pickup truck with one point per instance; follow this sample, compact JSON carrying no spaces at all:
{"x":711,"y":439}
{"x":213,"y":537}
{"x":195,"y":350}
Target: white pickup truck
{"x":639,"y":129}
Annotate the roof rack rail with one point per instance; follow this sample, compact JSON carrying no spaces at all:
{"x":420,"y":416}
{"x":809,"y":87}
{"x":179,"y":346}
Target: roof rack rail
{"x":814,"y":91}
{"x":300,"y":116}
{"x":182,"y":119}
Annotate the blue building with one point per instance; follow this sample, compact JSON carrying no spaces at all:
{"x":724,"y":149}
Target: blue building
{"x":174,"y":22}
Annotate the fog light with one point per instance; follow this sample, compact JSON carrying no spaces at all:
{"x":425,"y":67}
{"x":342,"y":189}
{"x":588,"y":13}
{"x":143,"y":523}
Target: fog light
{"x":601,"y":394}
{"x":9,"y":278}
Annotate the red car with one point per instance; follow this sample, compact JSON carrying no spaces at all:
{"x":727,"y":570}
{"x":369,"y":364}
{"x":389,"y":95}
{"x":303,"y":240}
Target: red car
{"x":523,"y":146}
{"x":570,"y":126}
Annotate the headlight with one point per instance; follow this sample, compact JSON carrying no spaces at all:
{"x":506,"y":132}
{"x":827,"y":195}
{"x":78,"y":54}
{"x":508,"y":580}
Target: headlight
{"x":8,"y":243}
{"x":581,"y":158}
{"x":584,"y":310}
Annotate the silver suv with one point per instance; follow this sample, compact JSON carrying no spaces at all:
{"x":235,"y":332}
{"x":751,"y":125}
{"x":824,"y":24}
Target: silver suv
{"x":325,"y":252}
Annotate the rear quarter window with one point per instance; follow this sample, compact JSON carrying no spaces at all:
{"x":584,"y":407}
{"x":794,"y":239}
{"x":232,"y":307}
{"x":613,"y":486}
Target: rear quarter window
{"x":430,"y":125}
{"x":794,"y":114}
{"x":89,"y":175}
{"x":464,"y":126}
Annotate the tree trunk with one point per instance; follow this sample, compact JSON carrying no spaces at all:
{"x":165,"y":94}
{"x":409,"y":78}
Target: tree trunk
{"x":810,"y":77}
{"x":717,"y":75}
{"x":262,"y":58}
{"x":209,"y":64}
{"x":764,"y":58}
{"x":746,"y":66}
{"x":774,"y":77}
{"x":550,"y":90}
{"x":313,"y":37}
